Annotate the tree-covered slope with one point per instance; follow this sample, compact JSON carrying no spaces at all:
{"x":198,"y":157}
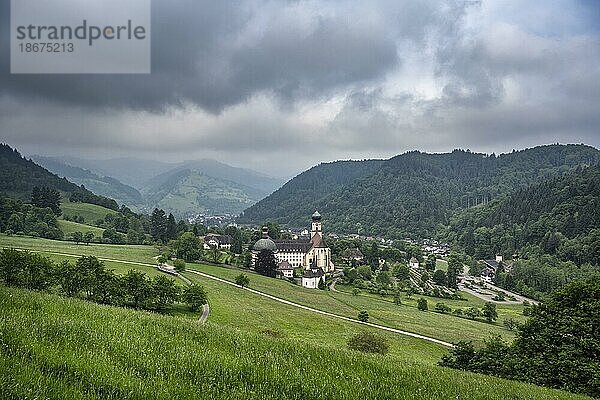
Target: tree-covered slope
{"x":18,"y":176}
{"x":293,"y":203}
{"x":102,"y":185}
{"x":560,"y":216}
{"x":411,"y":194}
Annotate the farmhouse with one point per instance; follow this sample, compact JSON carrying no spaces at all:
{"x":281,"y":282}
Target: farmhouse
{"x":413,"y":263}
{"x":213,"y":240}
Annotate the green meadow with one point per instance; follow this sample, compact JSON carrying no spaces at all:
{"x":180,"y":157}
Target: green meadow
{"x":63,"y":348}
{"x":89,"y":212}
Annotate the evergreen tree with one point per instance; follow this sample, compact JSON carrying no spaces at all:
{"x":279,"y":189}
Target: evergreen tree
{"x":171,"y":228}
{"x":158,"y":225}
{"x":265,"y":263}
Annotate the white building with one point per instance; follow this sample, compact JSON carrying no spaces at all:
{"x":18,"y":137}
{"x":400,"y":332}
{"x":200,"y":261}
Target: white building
{"x":313,"y":253}
{"x":413,"y":263}
{"x":311,"y":278}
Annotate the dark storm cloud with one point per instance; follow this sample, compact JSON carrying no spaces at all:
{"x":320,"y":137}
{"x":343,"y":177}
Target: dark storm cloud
{"x":205,"y":53}
{"x":306,"y":81}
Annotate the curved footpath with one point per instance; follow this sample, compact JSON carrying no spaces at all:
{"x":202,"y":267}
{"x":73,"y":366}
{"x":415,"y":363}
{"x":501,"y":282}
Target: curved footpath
{"x":290,"y":303}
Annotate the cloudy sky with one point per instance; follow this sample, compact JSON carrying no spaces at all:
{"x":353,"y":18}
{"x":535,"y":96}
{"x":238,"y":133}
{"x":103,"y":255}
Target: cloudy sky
{"x":281,"y":85}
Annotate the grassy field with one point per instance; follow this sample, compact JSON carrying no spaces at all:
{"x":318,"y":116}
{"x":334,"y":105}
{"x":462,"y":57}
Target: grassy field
{"x":381,"y":311}
{"x":68,"y":227}
{"x":59,"y":348}
{"x":89,"y":212}
{"x":137,"y":253}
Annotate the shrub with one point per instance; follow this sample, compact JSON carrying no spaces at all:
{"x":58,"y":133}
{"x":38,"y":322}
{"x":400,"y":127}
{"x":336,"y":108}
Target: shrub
{"x":195,"y":296}
{"x":242,"y":280}
{"x":489,"y":312}
{"x":355,"y":292}
{"x":363,"y":316}
{"x":422,"y":304}
{"x":179,"y":265}
{"x":367,"y":342}
{"x":442,"y":308}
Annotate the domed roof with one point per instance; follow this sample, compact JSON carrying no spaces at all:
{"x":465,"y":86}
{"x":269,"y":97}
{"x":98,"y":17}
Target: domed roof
{"x":316,"y":216}
{"x":265,"y":243}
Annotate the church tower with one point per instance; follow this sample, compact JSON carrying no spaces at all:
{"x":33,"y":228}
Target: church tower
{"x":316,"y":227}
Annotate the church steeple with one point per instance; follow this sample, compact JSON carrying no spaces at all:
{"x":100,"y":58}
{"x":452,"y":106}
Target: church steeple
{"x":316,"y":227}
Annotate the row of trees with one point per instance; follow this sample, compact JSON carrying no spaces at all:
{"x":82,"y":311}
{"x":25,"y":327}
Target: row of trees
{"x":17,"y":217}
{"x":88,"y":279}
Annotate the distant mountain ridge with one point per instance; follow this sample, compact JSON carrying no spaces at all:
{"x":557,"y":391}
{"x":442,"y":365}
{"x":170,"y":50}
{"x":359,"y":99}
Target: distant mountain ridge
{"x":187,"y":188}
{"x":104,"y":185}
{"x":411,"y":194}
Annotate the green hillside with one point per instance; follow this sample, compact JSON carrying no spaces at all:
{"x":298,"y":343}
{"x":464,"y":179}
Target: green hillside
{"x":411,"y":194}
{"x":90,"y":212}
{"x":188,"y":192}
{"x":68,"y":227}
{"x":115,"y":353}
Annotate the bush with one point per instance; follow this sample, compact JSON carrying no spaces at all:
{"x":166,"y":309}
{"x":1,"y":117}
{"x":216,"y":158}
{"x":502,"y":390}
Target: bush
{"x":242,"y":280}
{"x":442,"y":308}
{"x":363,"y":316}
{"x":367,"y":342}
{"x":489,"y":312}
{"x":422,"y":304}
{"x":179,"y":265}
{"x":195,"y":296}
{"x":355,"y":292}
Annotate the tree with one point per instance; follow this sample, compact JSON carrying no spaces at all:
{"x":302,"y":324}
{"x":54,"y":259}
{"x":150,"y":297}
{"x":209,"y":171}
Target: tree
{"x":422,"y":304}
{"x":384,"y":279}
{"x":557,"y":346}
{"x":439,"y":277}
{"x":365,"y":272}
{"x":187,"y":247}
{"x":355,"y":291}
{"x":397,"y":298}
{"x":77,"y":237}
{"x":510,"y":324}
{"x":368,"y":342}
{"x":242,"y":280}
{"x":88,"y":237}
{"x":402,"y":272}
{"x":179,"y":265}
{"x":45,"y":197}
{"x":265,"y":263}
{"x":473,"y":313}
{"x":321,"y":285}
{"x":138,"y":291}
{"x":363,"y":316}
{"x":442,"y":308}
{"x":489,"y":312}
{"x":158,"y":225}
{"x":431,"y":263}
{"x":455,"y":267}
{"x":195,"y":297}
{"x":164,"y":293}
{"x":171,"y":228}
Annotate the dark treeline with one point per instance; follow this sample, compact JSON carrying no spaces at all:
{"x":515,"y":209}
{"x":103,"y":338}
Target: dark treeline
{"x":17,"y":217}
{"x":558,"y":346}
{"x":89,"y":279}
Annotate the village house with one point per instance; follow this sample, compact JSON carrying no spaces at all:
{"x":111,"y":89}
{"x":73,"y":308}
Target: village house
{"x":213,"y":240}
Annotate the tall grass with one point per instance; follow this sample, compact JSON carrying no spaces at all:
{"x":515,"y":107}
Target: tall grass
{"x":58,"y":348}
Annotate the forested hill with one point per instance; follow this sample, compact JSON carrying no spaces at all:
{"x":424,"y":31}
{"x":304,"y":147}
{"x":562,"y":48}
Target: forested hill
{"x":411,"y":194}
{"x":559,"y":217}
{"x":18,"y":177}
{"x":294,"y":202}
{"x":103,"y":185}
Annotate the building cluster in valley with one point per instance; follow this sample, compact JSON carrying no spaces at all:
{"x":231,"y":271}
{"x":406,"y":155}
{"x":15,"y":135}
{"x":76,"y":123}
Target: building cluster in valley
{"x":311,"y":255}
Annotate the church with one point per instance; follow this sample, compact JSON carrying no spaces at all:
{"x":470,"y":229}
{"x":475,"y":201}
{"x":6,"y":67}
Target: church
{"x":312,"y":255}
